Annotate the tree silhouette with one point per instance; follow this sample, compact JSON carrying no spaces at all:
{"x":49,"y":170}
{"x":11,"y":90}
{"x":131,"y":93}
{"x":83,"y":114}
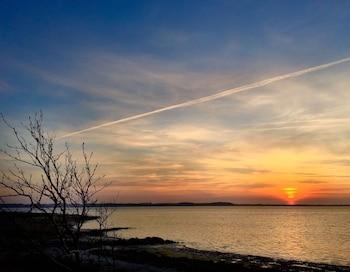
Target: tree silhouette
{"x":65,"y":188}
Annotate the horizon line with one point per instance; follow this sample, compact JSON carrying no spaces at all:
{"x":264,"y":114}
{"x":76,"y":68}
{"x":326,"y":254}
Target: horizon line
{"x":215,"y":203}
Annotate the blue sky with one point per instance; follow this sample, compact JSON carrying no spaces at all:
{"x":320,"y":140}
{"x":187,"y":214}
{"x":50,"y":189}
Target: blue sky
{"x":88,"y":62}
{"x":201,"y":36}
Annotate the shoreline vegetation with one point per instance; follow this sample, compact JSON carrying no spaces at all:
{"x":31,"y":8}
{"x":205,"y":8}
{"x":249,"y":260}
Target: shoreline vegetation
{"x":27,"y":242}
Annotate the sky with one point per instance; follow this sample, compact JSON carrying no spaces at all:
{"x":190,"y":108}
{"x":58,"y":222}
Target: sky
{"x":84,"y":63}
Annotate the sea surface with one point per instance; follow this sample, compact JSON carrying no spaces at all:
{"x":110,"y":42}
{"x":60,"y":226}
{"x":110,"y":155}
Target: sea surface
{"x":317,"y":234}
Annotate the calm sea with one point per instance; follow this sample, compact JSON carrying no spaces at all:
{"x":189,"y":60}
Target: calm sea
{"x":318,"y":234}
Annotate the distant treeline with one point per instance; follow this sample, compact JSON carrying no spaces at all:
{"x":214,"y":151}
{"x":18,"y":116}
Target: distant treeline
{"x":146,"y":204}
{"x":177,"y":204}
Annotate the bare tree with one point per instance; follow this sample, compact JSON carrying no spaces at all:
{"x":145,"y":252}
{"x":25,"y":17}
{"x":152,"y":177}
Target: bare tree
{"x":64,"y":190}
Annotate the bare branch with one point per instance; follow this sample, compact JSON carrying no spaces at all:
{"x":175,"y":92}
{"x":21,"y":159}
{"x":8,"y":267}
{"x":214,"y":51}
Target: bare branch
{"x":67,"y":186}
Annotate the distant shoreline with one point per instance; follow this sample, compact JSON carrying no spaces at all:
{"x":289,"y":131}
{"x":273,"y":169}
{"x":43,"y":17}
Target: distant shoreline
{"x":185,"y":204}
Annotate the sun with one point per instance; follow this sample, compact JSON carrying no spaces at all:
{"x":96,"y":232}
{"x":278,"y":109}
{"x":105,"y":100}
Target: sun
{"x":290,"y":193}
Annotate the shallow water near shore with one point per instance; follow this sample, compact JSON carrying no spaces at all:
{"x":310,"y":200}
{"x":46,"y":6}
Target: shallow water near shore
{"x":316,"y":234}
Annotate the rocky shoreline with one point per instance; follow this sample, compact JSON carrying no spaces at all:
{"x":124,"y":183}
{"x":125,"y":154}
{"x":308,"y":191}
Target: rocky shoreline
{"x":175,"y":257}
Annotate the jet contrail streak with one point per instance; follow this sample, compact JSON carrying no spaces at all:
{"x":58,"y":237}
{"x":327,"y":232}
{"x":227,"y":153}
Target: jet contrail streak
{"x":213,"y":96}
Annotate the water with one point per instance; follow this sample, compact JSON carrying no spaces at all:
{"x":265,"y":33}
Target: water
{"x":318,"y":234}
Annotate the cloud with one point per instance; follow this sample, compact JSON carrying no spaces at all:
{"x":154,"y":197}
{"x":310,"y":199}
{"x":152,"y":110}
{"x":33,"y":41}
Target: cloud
{"x":311,"y":181}
{"x":246,"y":170}
{"x":255,"y":185}
{"x":211,"y":97}
{"x":344,"y":162}
{"x":132,"y":80}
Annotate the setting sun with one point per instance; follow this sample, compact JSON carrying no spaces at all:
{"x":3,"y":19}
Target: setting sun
{"x":291,"y":193}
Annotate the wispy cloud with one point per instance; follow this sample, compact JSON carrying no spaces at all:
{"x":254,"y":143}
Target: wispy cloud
{"x":247,"y":170}
{"x":312,"y":181}
{"x":345,"y":162}
{"x":254,"y":185}
{"x":213,"y":96}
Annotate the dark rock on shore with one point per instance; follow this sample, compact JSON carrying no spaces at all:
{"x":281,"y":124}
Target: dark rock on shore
{"x":143,"y":241}
{"x":180,"y":258}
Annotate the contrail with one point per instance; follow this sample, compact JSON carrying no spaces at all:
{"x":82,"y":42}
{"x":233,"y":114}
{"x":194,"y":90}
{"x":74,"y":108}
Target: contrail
{"x":213,"y":96}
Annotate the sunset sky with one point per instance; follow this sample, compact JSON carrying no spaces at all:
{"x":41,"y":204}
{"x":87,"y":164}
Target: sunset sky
{"x":85,"y":63}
